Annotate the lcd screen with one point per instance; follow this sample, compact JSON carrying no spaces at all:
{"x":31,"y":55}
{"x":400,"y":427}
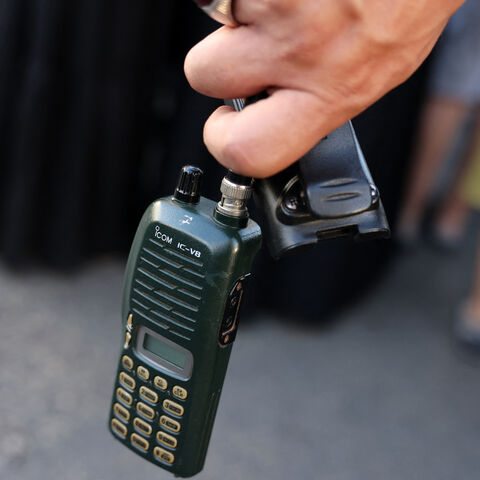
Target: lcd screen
{"x":165,"y":351}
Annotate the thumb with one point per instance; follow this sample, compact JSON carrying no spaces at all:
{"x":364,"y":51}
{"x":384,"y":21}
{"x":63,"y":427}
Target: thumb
{"x":269,"y":135}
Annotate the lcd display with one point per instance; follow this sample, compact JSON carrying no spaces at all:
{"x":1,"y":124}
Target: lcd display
{"x":164,"y":351}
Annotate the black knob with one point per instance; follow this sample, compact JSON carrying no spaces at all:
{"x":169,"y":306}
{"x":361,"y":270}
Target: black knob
{"x":189,"y":185}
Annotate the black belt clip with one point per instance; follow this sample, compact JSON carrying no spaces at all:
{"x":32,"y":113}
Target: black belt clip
{"x":328,"y":193}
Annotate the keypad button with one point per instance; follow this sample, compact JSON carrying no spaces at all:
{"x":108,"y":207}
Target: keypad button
{"x":121,"y":412}
{"x":127,"y":362}
{"x":142,"y":427}
{"x":160,"y":383}
{"x":143,"y":373}
{"x":166,"y":440}
{"x":124,"y":397}
{"x":139,"y":442}
{"x":170,"y":424}
{"x":174,"y":408}
{"x":145,"y":411}
{"x":128,"y":339}
{"x":127,"y":381}
{"x":118,"y":427}
{"x":179,"y":392}
{"x":148,"y":395}
{"x":163,"y":455}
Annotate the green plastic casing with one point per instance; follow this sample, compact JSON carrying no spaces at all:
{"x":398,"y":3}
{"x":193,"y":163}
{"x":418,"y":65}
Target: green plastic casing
{"x":182,"y":268}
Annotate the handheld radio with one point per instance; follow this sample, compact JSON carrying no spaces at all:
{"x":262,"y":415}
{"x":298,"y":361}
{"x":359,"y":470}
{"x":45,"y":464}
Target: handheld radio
{"x":185,"y":279}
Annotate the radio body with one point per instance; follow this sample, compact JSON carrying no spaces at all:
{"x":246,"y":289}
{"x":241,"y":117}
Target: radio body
{"x":184,"y":284}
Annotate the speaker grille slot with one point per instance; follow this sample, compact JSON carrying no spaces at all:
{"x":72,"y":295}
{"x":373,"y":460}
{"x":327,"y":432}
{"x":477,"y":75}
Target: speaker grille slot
{"x":167,"y":290}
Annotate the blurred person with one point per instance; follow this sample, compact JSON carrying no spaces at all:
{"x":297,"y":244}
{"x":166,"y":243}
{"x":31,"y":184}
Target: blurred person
{"x":453,"y":96}
{"x":467,"y":327}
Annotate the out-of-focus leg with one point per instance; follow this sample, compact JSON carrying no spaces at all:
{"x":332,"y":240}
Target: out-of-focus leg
{"x":454,"y":214}
{"x":467,"y":326}
{"x":440,"y":122}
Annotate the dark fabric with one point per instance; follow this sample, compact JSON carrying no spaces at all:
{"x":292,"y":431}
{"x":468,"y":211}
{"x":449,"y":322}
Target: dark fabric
{"x":91,"y":95}
{"x":96,"y":119}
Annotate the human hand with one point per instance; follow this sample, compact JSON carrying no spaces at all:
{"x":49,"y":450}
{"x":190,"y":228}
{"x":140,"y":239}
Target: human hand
{"x":321,"y":61}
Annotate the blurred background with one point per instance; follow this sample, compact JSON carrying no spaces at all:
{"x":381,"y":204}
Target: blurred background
{"x":354,"y":361}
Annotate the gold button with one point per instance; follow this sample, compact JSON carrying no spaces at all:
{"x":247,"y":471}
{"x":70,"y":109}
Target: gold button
{"x":128,"y":339}
{"x":143,"y":373}
{"x":163,"y":455}
{"x":174,"y":408}
{"x":127,"y":381}
{"x":124,"y":396}
{"x":118,"y":427}
{"x":129,"y":321}
{"x":160,"y":383}
{"x":127,"y":362}
{"x":139,"y":442}
{"x":142,"y":427}
{"x":148,"y":395}
{"x":121,"y":412}
{"x":145,"y":411}
{"x":170,"y":424}
{"x":179,"y":392}
{"x":167,"y":440}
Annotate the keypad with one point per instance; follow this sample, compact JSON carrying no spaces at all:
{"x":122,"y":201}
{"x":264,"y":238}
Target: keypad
{"x":124,"y":396}
{"x":170,"y":424}
{"x":163,"y":455}
{"x":148,"y":395}
{"x":121,"y":412}
{"x":127,"y":381}
{"x":166,"y":439}
{"x":142,"y":426}
{"x":160,"y":383}
{"x":146,"y":411}
{"x":119,"y":427}
{"x":135,"y":416}
{"x":127,"y":362}
{"x":173,"y":408}
{"x":139,"y":442}
{"x":143,"y":373}
{"x":179,"y":392}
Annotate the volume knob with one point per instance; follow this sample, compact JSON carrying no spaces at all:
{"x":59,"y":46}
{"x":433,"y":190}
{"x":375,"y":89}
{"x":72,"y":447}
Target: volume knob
{"x":189,"y":185}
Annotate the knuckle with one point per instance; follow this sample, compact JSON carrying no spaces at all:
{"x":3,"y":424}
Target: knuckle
{"x":271,"y":6}
{"x":238,"y":155}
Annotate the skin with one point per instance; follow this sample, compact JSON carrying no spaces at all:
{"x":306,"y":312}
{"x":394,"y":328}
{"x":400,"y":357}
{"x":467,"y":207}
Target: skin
{"x":321,"y":61}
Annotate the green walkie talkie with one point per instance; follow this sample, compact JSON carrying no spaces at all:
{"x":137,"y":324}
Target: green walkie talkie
{"x":185,"y":279}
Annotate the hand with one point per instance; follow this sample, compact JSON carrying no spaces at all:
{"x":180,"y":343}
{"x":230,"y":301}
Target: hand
{"x":321,"y":61}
